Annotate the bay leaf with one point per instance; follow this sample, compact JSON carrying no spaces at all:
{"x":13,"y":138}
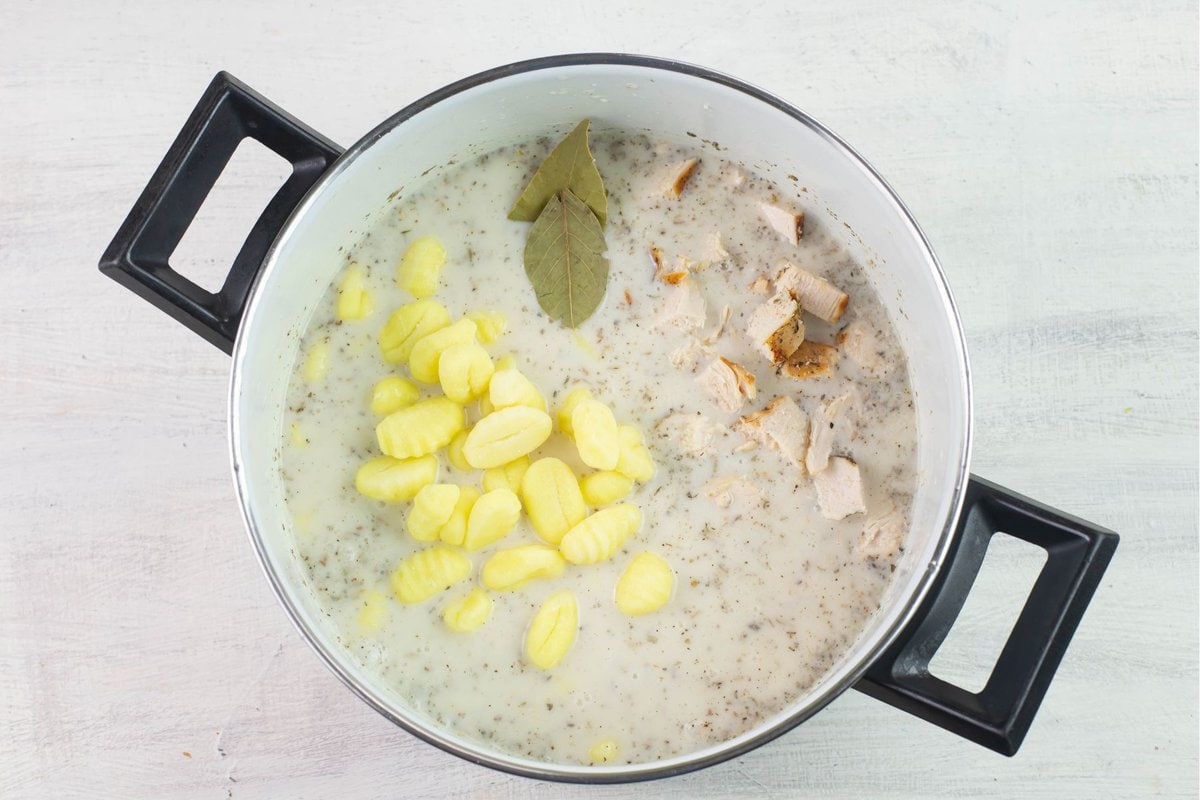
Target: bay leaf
{"x":570,"y":165}
{"x":564,"y":259}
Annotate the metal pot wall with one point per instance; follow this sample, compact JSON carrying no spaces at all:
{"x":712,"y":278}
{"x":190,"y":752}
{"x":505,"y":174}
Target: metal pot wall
{"x":290,"y":257}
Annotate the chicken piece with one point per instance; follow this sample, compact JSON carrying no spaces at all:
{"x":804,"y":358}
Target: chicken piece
{"x":883,"y":535}
{"x":787,"y":224}
{"x":815,"y":295}
{"x":775,"y":328}
{"x":727,"y":383}
{"x":721,"y":322}
{"x":839,"y":489}
{"x":781,"y":424}
{"x":760,"y":285}
{"x":832,"y":422}
{"x":663,"y":272}
{"x":687,"y":354}
{"x":684,"y":307}
{"x":713,"y":250}
{"x":724,"y":491}
{"x":810,"y":360}
{"x":720,"y":382}
{"x":745,"y":379}
{"x":681,"y":173}
{"x":858,"y":341}
{"x":692,"y":434}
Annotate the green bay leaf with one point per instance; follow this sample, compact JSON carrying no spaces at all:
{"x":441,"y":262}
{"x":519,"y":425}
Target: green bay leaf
{"x":564,"y":259}
{"x":570,"y":165}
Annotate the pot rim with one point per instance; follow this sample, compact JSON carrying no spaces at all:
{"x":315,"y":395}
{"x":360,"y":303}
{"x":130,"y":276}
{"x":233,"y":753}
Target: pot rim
{"x":732,"y":748}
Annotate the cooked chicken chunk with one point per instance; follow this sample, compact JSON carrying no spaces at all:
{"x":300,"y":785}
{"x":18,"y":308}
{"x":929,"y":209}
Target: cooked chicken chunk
{"x":775,"y":328}
{"x":810,"y":360}
{"x":815,"y":295}
{"x":692,"y":434}
{"x":787,"y":224}
{"x":858,"y":341}
{"x":745,"y":380}
{"x":687,"y":355}
{"x":839,"y":489}
{"x":722,"y":321}
{"x":684,"y":307}
{"x":883,"y":535}
{"x":781,"y":424}
{"x":831,"y":423}
{"x":664,"y":272}
{"x":712,"y":251}
{"x":681,"y":173}
{"x":727,"y":383}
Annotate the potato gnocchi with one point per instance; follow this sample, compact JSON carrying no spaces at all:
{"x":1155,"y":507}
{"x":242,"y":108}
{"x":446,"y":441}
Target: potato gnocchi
{"x":645,"y":585}
{"x":427,"y":572}
{"x":600,"y":536}
{"x":552,"y":630}
{"x":469,"y":612}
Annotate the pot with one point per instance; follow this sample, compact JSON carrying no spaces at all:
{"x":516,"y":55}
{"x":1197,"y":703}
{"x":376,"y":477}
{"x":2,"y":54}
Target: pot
{"x":290,"y":258}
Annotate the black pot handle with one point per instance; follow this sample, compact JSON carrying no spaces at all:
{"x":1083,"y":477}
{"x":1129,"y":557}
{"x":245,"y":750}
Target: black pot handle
{"x":139,"y":256}
{"x":999,"y":716}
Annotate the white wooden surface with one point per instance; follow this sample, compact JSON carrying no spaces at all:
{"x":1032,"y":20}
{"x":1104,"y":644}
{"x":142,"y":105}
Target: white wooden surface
{"x":1049,"y":150}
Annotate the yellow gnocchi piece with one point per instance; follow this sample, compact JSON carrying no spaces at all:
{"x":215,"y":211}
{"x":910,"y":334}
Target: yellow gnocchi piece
{"x":491,"y":324}
{"x":506,"y":435}
{"x":600,"y":536}
{"x":354,"y":301}
{"x":634,"y":461}
{"x":511,"y":388}
{"x":516,"y":566}
{"x":427,"y":353}
{"x":468,"y":612}
{"x":567,"y":409}
{"x":553,"y":501}
{"x":431,"y":510}
{"x":508,"y":476}
{"x":421,"y":267}
{"x":419,"y":429}
{"x":604,"y":751}
{"x":374,"y":611}
{"x":395,"y":480}
{"x":492,"y":517}
{"x":464,"y":371}
{"x":455,"y":454}
{"x":455,"y":530}
{"x":392,"y":394}
{"x":602,"y":488}
{"x":596,"y":437}
{"x":427,"y":572}
{"x":552,"y":631}
{"x":316,"y":363}
{"x":645,"y":585}
{"x":408,"y":325}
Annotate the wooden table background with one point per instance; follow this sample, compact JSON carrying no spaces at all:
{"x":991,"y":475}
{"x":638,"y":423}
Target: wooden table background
{"x":1048,"y":148}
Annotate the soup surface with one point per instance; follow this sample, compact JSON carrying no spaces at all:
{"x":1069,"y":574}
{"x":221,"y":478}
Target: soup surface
{"x":769,"y":589}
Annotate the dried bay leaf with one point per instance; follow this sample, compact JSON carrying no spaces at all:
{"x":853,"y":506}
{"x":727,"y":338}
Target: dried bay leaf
{"x":564,"y":259}
{"x":570,"y":165}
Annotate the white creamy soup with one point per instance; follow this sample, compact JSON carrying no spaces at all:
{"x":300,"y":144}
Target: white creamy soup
{"x":773,"y":579}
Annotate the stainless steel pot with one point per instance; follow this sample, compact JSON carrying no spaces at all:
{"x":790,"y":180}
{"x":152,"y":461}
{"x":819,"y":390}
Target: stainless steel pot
{"x":290,"y":257}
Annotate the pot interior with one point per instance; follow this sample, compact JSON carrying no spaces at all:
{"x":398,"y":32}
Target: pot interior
{"x":510,"y":105}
